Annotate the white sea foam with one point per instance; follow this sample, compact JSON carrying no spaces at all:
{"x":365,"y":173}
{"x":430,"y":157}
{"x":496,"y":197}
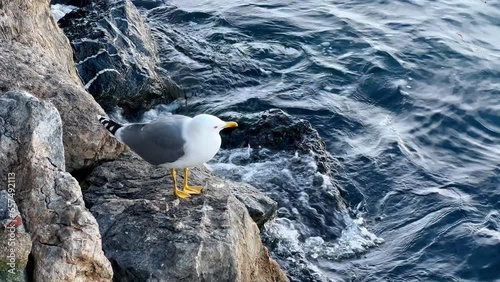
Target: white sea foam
{"x":117,"y":115}
{"x":238,"y":164}
{"x":355,"y":240}
{"x":59,"y":10}
{"x":154,"y":113}
{"x":161,"y":110}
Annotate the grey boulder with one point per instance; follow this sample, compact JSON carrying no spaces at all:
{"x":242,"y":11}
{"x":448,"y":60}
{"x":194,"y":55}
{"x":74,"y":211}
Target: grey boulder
{"x":65,"y":236}
{"x":116,"y":56}
{"x":36,"y":56}
{"x":150,"y":235}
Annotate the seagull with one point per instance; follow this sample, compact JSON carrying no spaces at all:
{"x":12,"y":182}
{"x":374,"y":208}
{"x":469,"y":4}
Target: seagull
{"x":175,"y":141}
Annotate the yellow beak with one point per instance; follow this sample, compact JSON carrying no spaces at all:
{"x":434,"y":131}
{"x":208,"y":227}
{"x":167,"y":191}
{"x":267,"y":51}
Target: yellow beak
{"x":230,"y":124}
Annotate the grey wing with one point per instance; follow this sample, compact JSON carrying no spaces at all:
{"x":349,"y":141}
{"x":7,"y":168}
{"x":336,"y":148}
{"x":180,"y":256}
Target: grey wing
{"x":157,"y":142}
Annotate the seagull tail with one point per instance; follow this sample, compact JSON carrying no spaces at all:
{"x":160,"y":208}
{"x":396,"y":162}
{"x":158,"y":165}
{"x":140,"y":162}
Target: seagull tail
{"x":110,"y":125}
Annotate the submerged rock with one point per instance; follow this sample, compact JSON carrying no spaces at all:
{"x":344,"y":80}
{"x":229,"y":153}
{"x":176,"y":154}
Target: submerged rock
{"x":286,"y":157}
{"x":116,"y":56}
{"x":66,"y":239}
{"x":77,"y":3}
{"x":276,"y":130}
{"x":149,"y":4}
{"x":148,"y":234}
{"x":36,"y":56}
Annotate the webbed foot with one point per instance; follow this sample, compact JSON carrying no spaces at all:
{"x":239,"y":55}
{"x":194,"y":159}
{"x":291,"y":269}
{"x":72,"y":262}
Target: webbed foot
{"x":181,"y":194}
{"x":193,"y":190}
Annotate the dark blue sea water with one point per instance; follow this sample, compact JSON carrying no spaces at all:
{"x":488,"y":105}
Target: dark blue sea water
{"x":406,"y":95}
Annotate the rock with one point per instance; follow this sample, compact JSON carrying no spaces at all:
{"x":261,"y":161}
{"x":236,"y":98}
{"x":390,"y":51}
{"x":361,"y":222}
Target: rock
{"x":76,"y":3}
{"x":276,"y":130}
{"x":116,"y":56}
{"x":296,"y":170}
{"x":36,"y":56}
{"x":149,"y":4}
{"x":66,"y":239}
{"x":209,"y":237}
{"x":59,"y":10}
{"x":15,"y":243}
{"x":260,"y":207}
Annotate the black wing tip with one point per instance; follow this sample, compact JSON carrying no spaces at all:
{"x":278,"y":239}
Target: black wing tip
{"x":109,"y":124}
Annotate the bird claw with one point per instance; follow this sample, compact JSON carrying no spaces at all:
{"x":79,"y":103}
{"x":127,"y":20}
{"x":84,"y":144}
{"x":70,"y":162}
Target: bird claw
{"x":193,"y":190}
{"x":181,"y":194}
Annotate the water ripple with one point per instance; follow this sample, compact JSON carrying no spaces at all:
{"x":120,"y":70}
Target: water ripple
{"x":404,"y":93}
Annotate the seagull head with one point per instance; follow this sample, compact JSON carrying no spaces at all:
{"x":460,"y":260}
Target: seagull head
{"x":210,"y":124}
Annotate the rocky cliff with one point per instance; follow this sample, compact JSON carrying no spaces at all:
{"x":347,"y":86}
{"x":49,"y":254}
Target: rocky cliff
{"x":36,"y":56}
{"x":135,"y":229}
{"x":211,"y":237}
{"x":63,"y":231}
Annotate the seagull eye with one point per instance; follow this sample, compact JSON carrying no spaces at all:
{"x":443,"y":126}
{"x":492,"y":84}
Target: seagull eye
{"x":216,"y":126}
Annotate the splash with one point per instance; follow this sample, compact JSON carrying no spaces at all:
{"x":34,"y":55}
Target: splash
{"x":306,"y":228}
{"x":59,"y":10}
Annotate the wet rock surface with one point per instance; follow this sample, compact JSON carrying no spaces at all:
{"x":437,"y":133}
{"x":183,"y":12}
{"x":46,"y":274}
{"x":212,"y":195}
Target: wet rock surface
{"x":285,"y":157}
{"x":116,"y":57}
{"x":76,"y":3}
{"x":149,"y":234}
{"x":260,"y":207}
{"x":64,"y":233}
{"x":149,"y":4}
{"x":276,"y":130}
